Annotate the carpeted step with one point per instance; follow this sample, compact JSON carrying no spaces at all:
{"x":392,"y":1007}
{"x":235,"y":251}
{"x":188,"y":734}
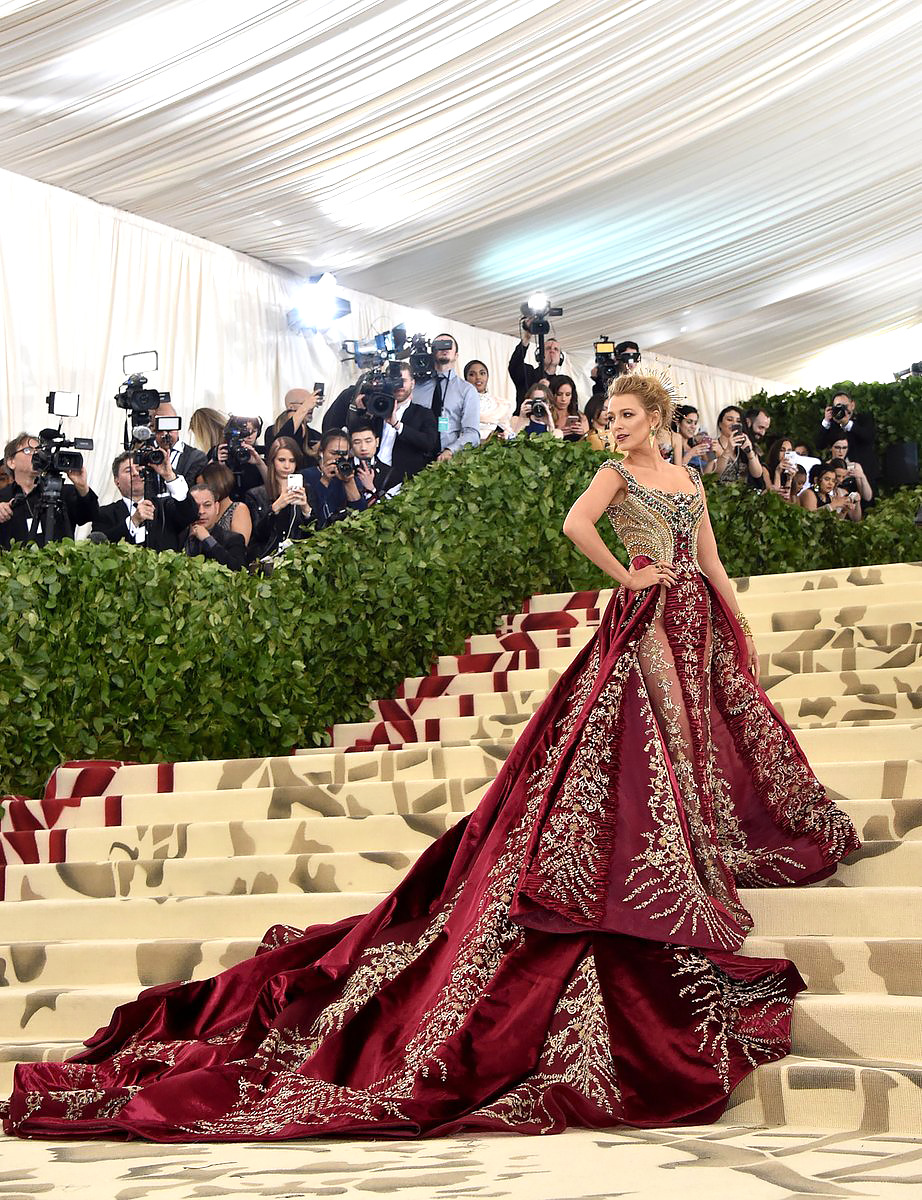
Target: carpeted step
{"x":66,"y":1014}
{"x":835,"y":912}
{"x":842,"y":965}
{"x":276,"y":874}
{"x":449,"y":673}
{"x":859,"y":1025}
{"x":206,"y":917}
{"x":123,"y":961}
{"x":835,"y":1094}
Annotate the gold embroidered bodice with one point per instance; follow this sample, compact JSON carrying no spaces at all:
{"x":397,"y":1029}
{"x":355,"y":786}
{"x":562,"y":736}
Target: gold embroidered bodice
{"x":661,"y":525}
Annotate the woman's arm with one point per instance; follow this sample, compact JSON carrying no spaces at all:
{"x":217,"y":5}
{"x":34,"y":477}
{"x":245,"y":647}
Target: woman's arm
{"x":713,"y":568}
{"x":607,"y":488}
{"x":808,"y":500}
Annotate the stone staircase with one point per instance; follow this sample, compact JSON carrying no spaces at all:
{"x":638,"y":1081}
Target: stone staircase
{"x":174,"y":873}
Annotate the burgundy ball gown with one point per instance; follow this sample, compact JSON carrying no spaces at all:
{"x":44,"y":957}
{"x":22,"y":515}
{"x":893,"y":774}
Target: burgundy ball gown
{"x":563,"y":956}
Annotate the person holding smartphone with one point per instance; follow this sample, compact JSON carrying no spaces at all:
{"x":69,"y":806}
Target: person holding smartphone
{"x":736,"y":456}
{"x":295,"y":421}
{"x":571,"y":424}
{"x":280,"y":508}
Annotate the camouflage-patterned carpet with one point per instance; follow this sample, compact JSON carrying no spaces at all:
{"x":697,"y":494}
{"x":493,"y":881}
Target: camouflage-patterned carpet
{"x":715,"y":1163}
{"x":123,"y":877}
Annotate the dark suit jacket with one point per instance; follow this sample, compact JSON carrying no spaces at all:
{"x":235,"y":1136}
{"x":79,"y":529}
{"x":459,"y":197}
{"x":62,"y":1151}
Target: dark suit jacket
{"x":77,"y":510}
{"x":221,"y":546}
{"x":190,"y":462}
{"x":416,"y":446}
{"x":163,"y":533}
{"x":861,"y":448}
{"x":523,"y":374}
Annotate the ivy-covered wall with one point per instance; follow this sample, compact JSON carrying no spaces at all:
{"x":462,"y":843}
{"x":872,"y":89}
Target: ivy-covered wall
{"x":114,"y":652}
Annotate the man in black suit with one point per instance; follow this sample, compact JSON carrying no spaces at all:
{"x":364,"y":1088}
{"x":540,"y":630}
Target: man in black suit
{"x":204,"y":539}
{"x":409,"y":436}
{"x":22,"y":517}
{"x":185,"y":460}
{"x":841,"y":420}
{"x":369,"y":469}
{"x":156,"y":524}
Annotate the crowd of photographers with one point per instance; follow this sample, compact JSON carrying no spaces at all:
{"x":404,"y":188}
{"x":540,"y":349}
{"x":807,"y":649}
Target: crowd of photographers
{"x":244,"y":494}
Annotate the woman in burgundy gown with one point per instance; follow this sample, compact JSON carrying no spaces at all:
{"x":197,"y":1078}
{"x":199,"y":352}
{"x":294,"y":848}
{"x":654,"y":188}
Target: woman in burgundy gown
{"x":566,"y":955}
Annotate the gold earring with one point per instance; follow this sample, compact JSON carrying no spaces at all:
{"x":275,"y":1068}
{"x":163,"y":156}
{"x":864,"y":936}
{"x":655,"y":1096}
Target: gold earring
{"x":652,"y":434}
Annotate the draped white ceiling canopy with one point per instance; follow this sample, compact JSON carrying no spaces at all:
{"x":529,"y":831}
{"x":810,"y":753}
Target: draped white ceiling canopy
{"x":729,"y":181}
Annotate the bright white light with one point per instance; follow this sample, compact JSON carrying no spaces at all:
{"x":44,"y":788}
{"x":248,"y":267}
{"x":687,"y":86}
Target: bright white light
{"x":316,"y":303}
{"x":418,"y":320}
{"x":538,"y":302}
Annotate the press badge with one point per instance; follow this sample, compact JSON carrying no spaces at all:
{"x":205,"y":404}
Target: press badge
{"x":443,"y":425}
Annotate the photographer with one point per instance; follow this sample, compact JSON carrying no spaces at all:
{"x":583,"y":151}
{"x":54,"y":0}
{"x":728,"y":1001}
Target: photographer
{"x":537,"y":412}
{"x":238,"y":453}
{"x":571,"y":424}
{"x":280,"y":513}
{"x":185,"y":460}
{"x":523,"y":374}
{"x":206,"y":540}
{"x":157,"y":524}
{"x":696,"y":443}
{"x":822,"y":493}
{"x":294,"y":422}
{"x":20,"y":501}
{"x":841,"y":420}
{"x":455,"y":403}
{"x":331,"y":488}
{"x":736,"y":457}
{"x":854,"y":478}
{"x":410,"y":435}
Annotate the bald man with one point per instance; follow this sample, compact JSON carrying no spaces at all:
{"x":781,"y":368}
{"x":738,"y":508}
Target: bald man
{"x":295,"y":421}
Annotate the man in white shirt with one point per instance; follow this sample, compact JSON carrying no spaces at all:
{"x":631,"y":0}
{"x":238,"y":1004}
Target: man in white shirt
{"x":409,"y":436}
{"x":185,"y":460}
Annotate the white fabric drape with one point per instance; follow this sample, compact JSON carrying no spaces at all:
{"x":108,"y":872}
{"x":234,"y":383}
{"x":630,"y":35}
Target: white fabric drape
{"x":82,"y":284}
{"x":729,"y":181}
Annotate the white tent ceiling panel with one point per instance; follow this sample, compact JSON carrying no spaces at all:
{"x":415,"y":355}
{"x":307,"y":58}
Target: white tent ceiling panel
{"x":734,"y":182}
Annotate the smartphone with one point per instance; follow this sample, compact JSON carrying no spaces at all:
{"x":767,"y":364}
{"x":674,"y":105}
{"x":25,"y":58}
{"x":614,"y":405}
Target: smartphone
{"x":295,"y":482}
{"x":318,"y":389}
{"x":168,"y":423}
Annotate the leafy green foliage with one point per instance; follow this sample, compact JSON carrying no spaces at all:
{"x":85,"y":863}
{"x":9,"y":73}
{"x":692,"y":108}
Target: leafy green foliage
{"x":113,"y":652}
{"x":895,"y":407}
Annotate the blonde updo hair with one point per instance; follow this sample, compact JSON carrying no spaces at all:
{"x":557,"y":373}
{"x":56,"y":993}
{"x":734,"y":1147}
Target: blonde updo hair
{"x":650,"y":391}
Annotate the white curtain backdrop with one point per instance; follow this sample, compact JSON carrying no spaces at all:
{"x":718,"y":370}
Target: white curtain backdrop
{"x":82,"y":284}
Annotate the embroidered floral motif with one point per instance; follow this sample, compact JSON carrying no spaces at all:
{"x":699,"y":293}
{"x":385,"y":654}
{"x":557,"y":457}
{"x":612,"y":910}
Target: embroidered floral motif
{"x":751,"y":1016}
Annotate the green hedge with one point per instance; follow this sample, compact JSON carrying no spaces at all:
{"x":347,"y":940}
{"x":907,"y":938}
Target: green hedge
{"x":895,"y":407}
{"x":113,"y":652}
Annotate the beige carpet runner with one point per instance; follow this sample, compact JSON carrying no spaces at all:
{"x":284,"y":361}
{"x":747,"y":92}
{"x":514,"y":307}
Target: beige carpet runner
{"x":124,"y":877}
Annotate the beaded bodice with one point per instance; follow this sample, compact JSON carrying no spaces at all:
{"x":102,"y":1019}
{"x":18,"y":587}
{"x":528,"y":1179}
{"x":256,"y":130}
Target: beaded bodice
{"x":660,"y":525}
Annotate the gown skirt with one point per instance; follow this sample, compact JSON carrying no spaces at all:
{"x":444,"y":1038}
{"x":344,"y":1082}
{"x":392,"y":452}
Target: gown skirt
{"x":564,"y":955}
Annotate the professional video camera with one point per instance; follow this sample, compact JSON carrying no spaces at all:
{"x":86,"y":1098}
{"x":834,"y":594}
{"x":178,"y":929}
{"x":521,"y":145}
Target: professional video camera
{"x":378,"y":387}
{"x":378,"y":350}
{"x":54,"y":456}
{"x":422,"y":355}
{"x":138,"y":400}
{"x":236,"y":432}
{"x":607,"y":366}
{"x":535,"y":312}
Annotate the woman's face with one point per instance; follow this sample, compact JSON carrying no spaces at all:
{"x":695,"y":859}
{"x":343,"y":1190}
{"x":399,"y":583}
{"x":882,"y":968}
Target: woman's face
{"x":478,"y":375}
{"x":602,"y":420}
{"x":826,"y":481}
{"x":284,"y":464}
{"x":840,"y":448}
{"x":786,"y":446}
{"x":688,"y":426}
{"x":729,"y":419}
{"x":630,"y":422}
{"x":563,"y":396}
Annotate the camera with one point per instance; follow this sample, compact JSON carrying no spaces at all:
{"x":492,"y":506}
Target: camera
{"x":52,"y":457}
{"x":849,"y":483}
{"x":376,"y":351}
{"x":540,"y":411}
{"x":422,"y":355}
{"x":134,"y":397}
{"x":535,"y":312}
{"x":236,"y":431}
{"x":345,"y":467}
{"x":379,"y":387}
{"x":839,"y":412}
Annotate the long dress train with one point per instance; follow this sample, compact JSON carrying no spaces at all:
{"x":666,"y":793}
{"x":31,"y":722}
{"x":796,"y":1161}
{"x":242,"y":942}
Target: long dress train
{"x":564,"y":955}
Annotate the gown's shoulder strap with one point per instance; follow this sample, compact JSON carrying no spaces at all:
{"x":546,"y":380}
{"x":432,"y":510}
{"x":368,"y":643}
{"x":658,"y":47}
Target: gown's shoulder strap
{"x":615,"y":465}
{"x":695,"y":476}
